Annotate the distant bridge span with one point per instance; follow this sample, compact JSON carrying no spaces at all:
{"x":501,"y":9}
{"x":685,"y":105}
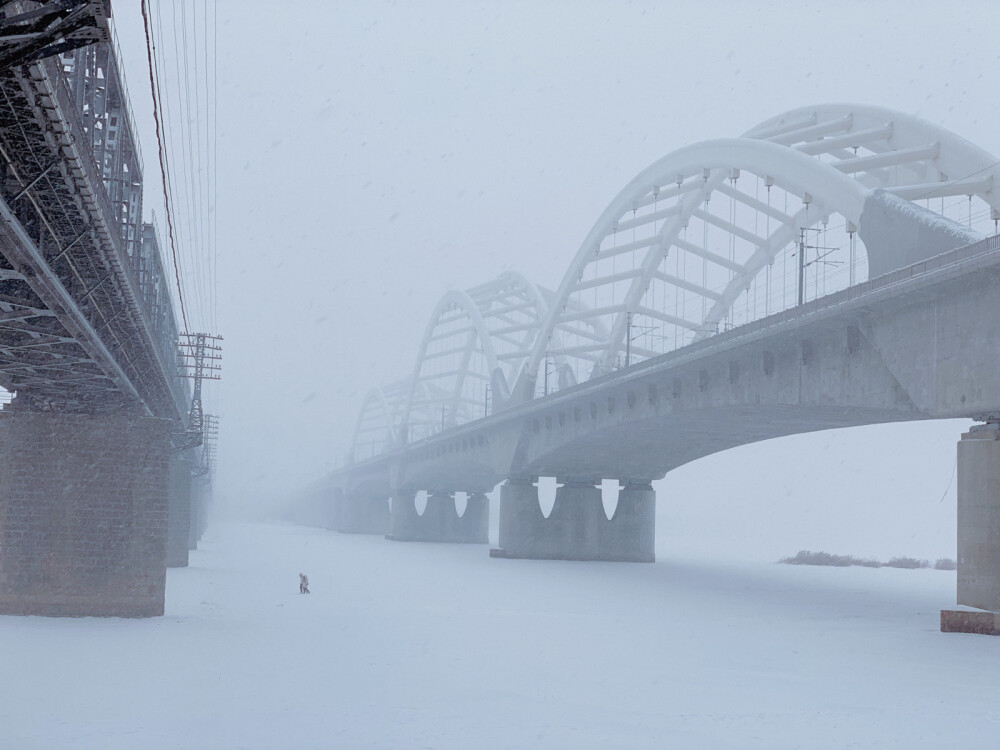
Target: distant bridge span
{"x":829,"y":268}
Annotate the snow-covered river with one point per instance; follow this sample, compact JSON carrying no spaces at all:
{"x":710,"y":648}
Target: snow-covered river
{"x":438,"y":646}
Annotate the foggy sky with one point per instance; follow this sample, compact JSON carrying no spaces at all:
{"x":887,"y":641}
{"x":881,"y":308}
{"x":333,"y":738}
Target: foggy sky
{"x":375,"y":155}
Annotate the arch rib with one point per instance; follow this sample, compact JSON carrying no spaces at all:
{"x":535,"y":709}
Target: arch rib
{"x":709,"y":162}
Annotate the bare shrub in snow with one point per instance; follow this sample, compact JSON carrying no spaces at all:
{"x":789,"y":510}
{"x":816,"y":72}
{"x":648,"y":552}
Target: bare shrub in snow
{"x":805,"y":557}
{"x":945,"y":563}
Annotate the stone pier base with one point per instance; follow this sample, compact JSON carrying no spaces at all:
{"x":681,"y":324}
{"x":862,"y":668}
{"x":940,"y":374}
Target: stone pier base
{"x":83,"y":514}
{"x":978,"y":533}
{"x":360,"y":515}
{"x":199,"y":513}
{"x":965,"y":621}
{"x":440,"y":521}
{"x":180,"y":512}
{"x":577,"y":528}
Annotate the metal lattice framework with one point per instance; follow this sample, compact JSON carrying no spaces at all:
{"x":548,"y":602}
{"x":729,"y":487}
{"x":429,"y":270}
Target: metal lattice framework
{"x":708,"y":237}
{"x":85,"y":319}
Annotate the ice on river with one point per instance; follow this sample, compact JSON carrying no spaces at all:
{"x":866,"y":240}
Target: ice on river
{"x":438,"y":646}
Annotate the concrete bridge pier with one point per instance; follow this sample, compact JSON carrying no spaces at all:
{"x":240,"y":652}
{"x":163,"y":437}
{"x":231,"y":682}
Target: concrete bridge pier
{"x":359,"y":514}
{"x":83,"y":514}
{"x":978,"y":533}
{"x":440,"y":521}
{"x":632,"y":528}
{"x":181,"y":512}
{"x":577,"y":528}
{"x":200,"y":495}
{"x":315,"y":509}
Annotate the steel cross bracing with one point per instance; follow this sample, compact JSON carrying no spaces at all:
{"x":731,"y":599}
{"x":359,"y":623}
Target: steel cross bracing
{"x":712,"y":236}
{"x":31,"y":31}
{"x":86,"y":323}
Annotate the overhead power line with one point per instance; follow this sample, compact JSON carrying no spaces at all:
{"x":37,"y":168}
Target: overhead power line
{"x":163,"y":167}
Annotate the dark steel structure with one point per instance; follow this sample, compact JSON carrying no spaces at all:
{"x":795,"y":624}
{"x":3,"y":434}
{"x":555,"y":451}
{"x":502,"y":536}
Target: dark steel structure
{"x":31,"y":33}
{"x":86,"y":321}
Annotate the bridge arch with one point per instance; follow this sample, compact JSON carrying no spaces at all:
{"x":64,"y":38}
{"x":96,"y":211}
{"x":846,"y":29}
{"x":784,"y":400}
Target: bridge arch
{"x":881,"y":147}
{"x":456,"y":349}
{"x":476,"y":344}
{"x":699,"y":227}
{"x":377,"y":427}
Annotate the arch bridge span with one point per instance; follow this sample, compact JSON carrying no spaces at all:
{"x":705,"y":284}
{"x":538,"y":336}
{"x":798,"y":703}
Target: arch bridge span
{"x":835,"y":266}
{"x":710,"y":237}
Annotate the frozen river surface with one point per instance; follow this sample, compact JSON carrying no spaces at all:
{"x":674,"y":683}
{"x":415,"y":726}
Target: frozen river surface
{"x":437,"y":646}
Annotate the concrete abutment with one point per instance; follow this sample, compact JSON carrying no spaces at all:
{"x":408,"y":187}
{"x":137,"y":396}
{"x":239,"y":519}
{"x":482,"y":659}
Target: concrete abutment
{"x":577,"y":528}
{"x":83,"y":514}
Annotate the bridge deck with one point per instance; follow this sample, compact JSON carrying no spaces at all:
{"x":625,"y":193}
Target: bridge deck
{"x":903,"y":284}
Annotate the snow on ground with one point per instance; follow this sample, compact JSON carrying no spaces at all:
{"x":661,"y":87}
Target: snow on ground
{"x":438,"y":646}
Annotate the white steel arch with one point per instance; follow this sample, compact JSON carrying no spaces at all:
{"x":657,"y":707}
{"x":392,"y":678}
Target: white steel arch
{"x":475,"y":346}
{"x":379,"y":419}
{"x":731,"y":207}
{"x":455,"y":337}
{"x":906,"y":155}
{"x":624,"y":269}
{"x":513,"y":308}
{"x":511,"y":295}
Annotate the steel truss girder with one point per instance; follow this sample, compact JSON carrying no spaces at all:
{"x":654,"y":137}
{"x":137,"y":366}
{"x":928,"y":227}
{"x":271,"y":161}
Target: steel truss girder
{"x":53,"y":27}
{"x":77,"y":266}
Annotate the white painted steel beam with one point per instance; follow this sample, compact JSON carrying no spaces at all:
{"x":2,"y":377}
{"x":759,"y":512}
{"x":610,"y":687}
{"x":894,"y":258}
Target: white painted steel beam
{"x":851,"y":140}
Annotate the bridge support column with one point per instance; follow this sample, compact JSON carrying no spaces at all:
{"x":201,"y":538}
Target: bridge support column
{"x":577,"y":528}
{"x":631,"y":532}
{"x":313,"y":510}
{"x":181,"y":512}
{"x":83,"y":514}
{"x":440,"y":521}
{"x":199,"y":514}
{"x":354,"y":514}
{"x":978,"y":533}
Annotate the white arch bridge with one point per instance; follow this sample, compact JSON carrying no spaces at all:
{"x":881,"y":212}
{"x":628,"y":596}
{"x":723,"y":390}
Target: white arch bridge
{"x":835,"y":265}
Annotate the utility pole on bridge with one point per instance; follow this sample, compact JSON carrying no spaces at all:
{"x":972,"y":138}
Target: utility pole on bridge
{"x":208,"y":446}
{"x":198,"y":358}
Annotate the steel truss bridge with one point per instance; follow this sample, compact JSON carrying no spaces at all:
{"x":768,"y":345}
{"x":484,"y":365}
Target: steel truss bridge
{"x":709,"y":238}
{"x":99,"y":444}
{"x":86,"y":319}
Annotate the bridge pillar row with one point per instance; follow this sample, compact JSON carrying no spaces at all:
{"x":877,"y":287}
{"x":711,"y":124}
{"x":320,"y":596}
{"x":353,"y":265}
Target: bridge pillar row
{"x":359,"y":514}
{"x":577,"y":528}
{"x":200,"y":496}
{"x":181,"y":512}
{"x":440,"y":521}
{"x":978,"y":533}
{"x":83,"y":514}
